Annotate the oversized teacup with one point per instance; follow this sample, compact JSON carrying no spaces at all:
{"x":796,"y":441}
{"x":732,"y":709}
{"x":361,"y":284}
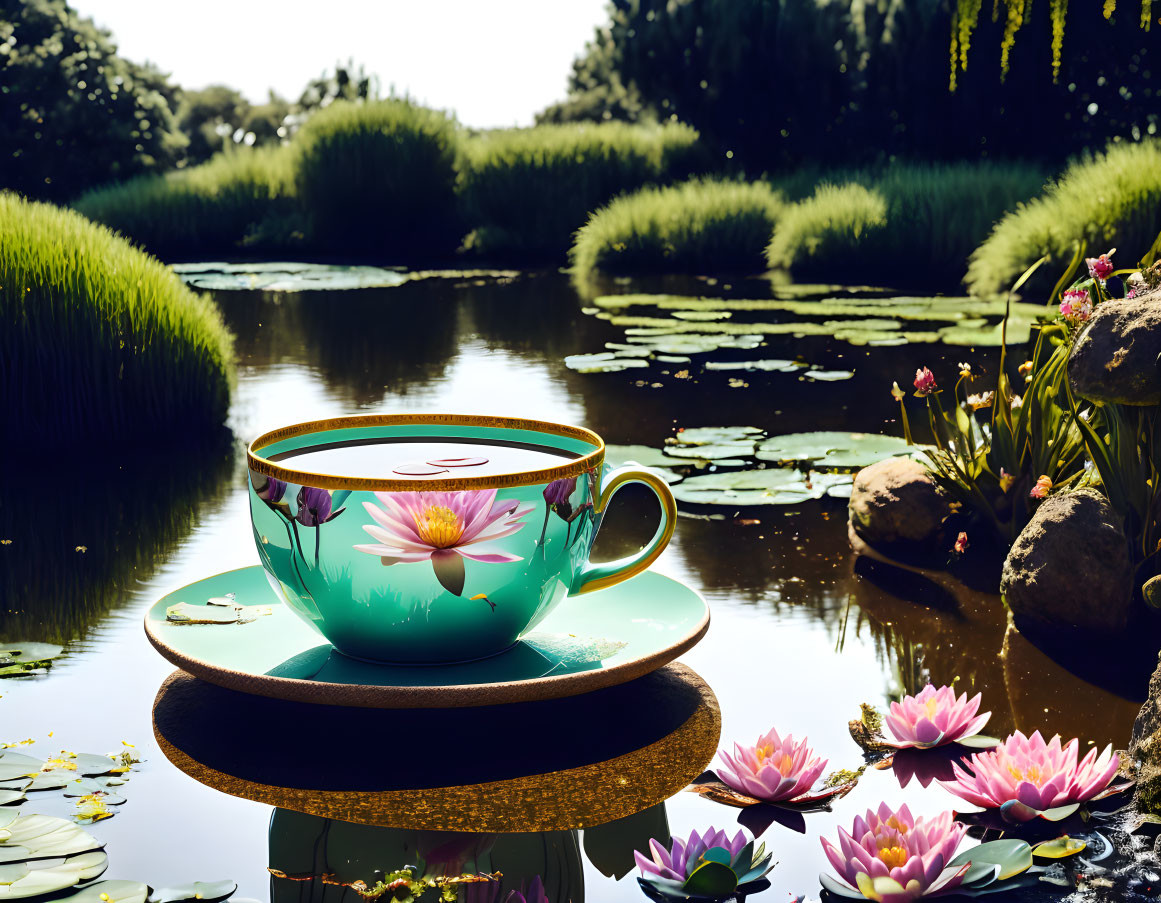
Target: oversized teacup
{"x":434,"y":538}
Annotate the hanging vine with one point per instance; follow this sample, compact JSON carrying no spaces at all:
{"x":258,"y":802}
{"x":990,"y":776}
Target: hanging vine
{"x":966,"y":16}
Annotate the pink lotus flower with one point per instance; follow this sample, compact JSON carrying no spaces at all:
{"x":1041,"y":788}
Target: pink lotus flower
{"x":935,"y":717}
{"x":1076,"y":305}
{"x":773,"y":770}
{"x":924,"y":382}
{"x":676,"y":863}
{"x":1026,"y":777}
{"x":891,"y":857}
{"x":443,"y":528}
{"x":417,"y":526}
{"x":1101,"y":267}
{"x":1042,"y":487}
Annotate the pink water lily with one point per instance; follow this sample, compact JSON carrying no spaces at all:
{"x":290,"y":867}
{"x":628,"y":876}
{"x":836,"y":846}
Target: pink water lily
{"x":444,"y":528}
{"x":774,"y":769}
{"x":891,"y":857}
{"x":924,"y":382}
{"x":1076,"y":305}
{"x":683,"y":857}
{"x":935,"y":717}
{"x":1101,"y":267}
{"x":1025,"y":777}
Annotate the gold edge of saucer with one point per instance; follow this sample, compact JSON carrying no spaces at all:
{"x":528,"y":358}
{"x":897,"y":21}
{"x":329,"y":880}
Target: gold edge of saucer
{"x":573,"y":798}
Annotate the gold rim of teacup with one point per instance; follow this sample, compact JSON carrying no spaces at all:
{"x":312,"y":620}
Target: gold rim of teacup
{"x":574,"y":468}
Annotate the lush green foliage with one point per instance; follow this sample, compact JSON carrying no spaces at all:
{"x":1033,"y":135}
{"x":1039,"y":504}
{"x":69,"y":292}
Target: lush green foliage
{"x":526,"y":191}
{"x":100,"y":342}
{"x":72,"y":113}
{"x":1105,"y":200}
{"x":378,"y":176}
{"x":778,"y":82}
{"x":699,"y":226}
{"x":904,"y":225}
{"x":239,"y":198}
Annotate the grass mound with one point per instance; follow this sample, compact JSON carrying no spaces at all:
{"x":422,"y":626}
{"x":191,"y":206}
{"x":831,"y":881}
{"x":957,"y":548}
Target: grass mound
{"x":379,"y":176}
{"x":238,"y":199}
{"x":1106,"y":200}
{"x":699,"y":226}
{"x":101,"y":343}
{"x":526,"y":191}
{"x":906,"y":225}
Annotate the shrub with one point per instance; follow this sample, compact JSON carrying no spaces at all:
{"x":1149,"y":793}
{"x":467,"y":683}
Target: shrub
{"x":699,"y":226}
{"x":378,"y":176}
{"x":909,"y":224}
{"x":239,"y":197}
{"x":74,"y":114}
{"x":526,"y":191}
{"x":1106,"y":200}
{"x":101,"y":343}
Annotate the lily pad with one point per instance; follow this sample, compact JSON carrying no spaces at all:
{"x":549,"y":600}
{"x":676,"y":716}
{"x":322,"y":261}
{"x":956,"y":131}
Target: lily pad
{"x":1059,"y":848}
{"x":112,"y":892}
{"x":205,"y":891}
{"x":718,"y":435}
{"x":832,"y":450}
{"x":286,"y":277}
{"x":644,"y":456}
{"x":710,"y":452}
{"x":14,"y":653}
{"x":45,"y":837}
{"x":8,"y":797}
{"x":1012,"y":856}
{"x":752,"y":488}
{"x":772,"y":365}
{"x":602,"y":362}
{"x":829,"y":376}
{"x":22,"y":880}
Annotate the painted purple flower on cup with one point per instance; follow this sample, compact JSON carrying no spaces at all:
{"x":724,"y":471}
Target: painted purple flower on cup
{"x":314,"y":507}
{"x":271,"y":491}
{"x":557,"y":494}
{"x":443,"y":528}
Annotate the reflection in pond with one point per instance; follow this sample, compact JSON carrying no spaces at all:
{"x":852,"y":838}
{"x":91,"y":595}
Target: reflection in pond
{"x":81,"y":531}
{"x":537,"y":773}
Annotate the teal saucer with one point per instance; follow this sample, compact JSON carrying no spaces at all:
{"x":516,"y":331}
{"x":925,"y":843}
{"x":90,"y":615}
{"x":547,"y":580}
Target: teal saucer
{"x":255,"y":644}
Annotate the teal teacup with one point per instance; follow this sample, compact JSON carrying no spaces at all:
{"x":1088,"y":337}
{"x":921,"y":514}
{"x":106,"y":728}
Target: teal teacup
{"x":434,"y":538}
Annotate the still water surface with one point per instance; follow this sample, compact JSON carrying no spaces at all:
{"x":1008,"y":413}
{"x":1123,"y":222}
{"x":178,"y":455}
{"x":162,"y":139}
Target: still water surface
{"x":798,"y":639}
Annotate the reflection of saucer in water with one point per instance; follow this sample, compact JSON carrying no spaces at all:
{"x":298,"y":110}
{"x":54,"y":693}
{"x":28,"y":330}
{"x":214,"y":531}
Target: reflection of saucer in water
{"x":537,"y":766}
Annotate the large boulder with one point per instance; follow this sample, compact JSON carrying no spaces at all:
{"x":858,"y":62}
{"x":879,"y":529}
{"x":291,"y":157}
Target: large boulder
{"x":1069,"y":567}
{"x":1115,"y":358}
{"x":896,"y":505}
{"x":1145,"y":747}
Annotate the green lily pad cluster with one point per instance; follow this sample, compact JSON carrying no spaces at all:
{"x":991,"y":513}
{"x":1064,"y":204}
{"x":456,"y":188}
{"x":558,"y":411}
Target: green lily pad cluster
{"x":86,"y":778}
{"x":27,"y":657}
{"x":874,"y":321}
{"x":304,"y":277}
{"x":750,"y":469}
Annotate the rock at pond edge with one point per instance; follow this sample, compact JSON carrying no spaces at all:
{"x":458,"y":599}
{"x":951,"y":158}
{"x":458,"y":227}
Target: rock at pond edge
{"x":1115,"y":357}
{"x":1069,"y":568}
{"x":1145,"y":748}
{"x":897,"y":506}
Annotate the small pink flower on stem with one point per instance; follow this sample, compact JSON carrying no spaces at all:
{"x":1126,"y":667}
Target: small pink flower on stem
{"x":1076,"y":306}
{"x":961,"y":543}
{"x":1101,"y":267}
{"x":1042,"y":488}
{"x":924,"y":382}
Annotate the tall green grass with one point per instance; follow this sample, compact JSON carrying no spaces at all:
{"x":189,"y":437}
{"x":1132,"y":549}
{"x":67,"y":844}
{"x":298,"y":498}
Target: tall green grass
{"x":905,"y":225}
{"x":379,"y":176}
{"x":99,"y":342}
{"x":1106,"y":200}
{"x":239,"y":198}
{"x":699,"y":226}
{"x":525,"y":192}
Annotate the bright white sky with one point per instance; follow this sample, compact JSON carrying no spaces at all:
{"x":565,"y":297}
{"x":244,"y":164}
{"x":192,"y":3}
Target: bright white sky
{"x":492,"y":62}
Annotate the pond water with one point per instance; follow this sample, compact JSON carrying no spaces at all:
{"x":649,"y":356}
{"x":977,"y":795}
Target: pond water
{"x":800,"y":634}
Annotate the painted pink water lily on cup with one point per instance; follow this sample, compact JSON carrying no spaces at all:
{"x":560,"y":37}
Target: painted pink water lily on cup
{"x":1025,"y":778}
{"x":443,"y":528}
{"x":891,"y":857}
{"x":935,"y":717}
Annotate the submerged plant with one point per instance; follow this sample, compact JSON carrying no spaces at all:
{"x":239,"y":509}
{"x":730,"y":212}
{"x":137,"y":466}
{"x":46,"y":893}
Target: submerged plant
{"x":706,"y":866}
{"x":1026,"y":778}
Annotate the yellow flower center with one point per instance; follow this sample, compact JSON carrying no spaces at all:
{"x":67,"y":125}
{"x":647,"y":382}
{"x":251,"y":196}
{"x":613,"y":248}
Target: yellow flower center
{"x":439,"y":527}
{"x":893,"y":822}
{"x":893,"y":857}
{"x":765,"y":754}
{"x":931,"y":706}
{"x":1032,"y":774}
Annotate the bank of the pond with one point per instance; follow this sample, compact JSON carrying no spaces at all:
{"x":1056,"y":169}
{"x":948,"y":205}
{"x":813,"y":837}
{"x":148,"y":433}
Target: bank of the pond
{"x":99,"y":341}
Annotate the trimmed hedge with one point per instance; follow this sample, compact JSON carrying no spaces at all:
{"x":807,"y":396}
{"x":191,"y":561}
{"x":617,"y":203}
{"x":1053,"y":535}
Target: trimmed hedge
{"x":99,"y":342}
{"x":699,"y":226}
{"x":1106,"y":200}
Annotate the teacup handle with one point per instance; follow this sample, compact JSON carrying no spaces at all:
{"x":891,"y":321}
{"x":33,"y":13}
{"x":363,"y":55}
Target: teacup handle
{"x":598,"y":576}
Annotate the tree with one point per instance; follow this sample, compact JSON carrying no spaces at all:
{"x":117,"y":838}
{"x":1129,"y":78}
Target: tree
{"x":74,"y":114}
{"x":209,"y":117}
